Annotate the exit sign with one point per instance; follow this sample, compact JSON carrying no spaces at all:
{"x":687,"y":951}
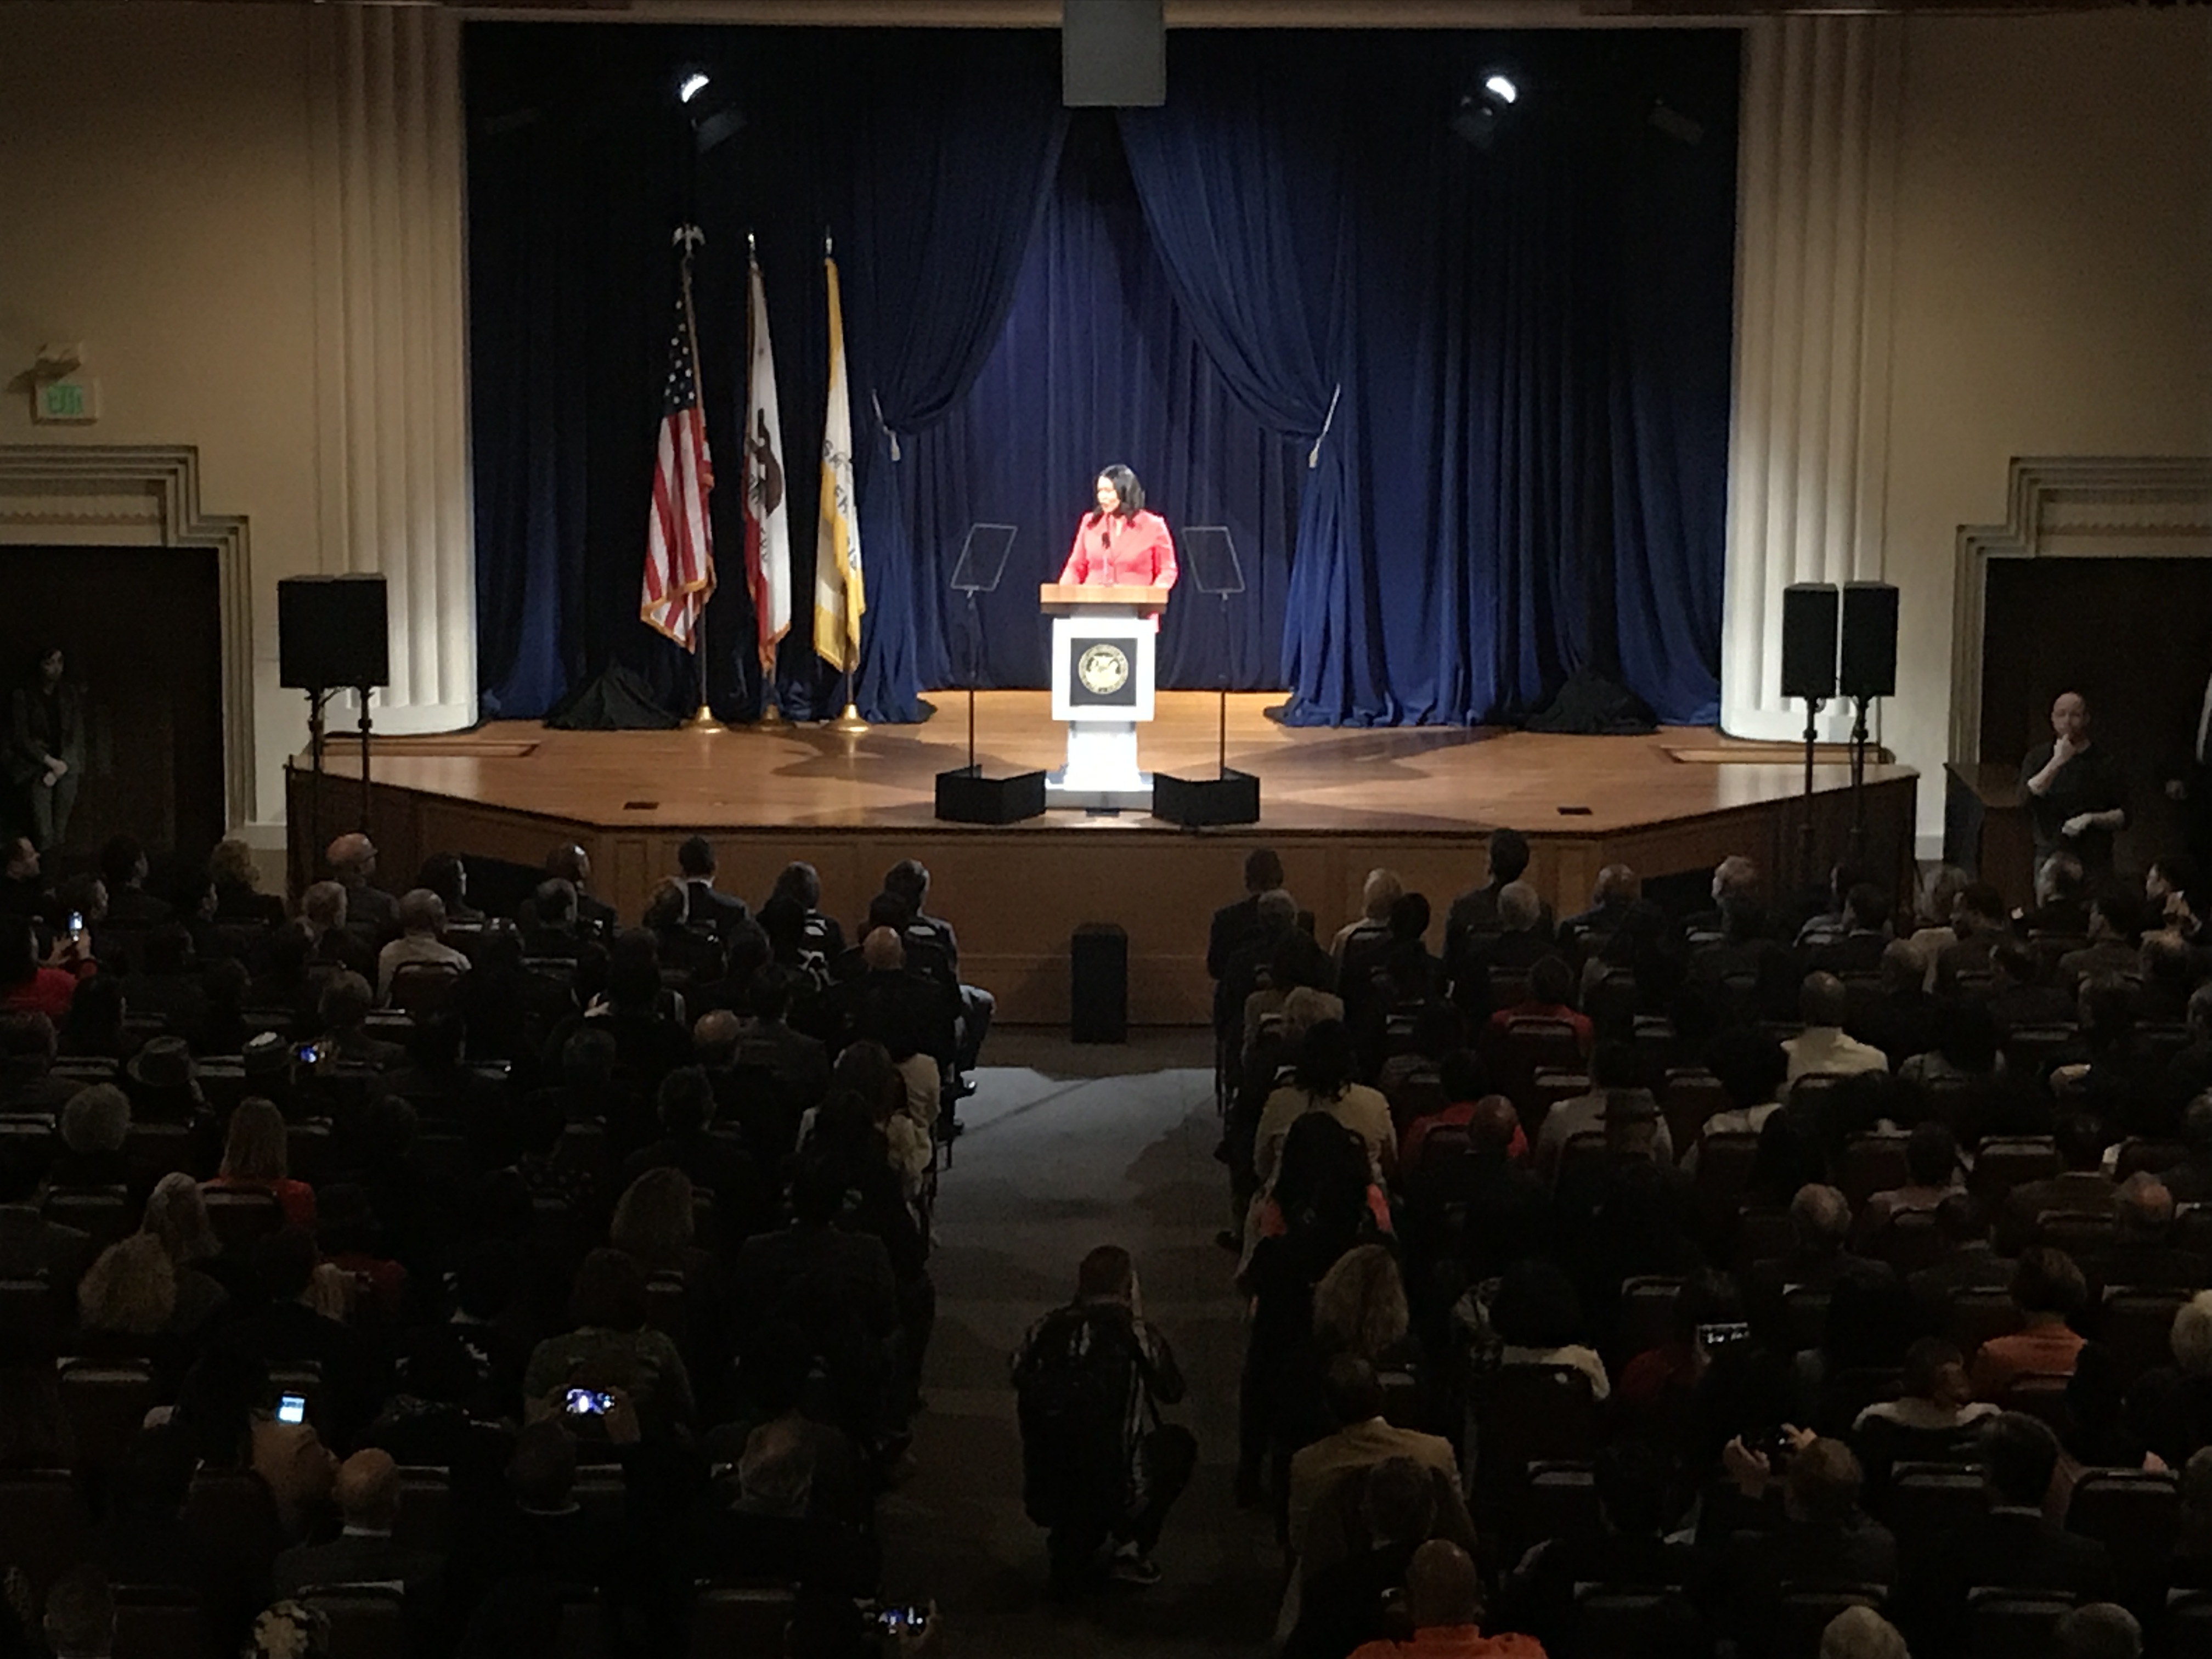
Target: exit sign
{"x":64,"y":401}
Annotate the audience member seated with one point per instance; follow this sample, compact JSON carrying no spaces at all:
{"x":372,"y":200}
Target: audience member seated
{"x":803,"y":937}
{"x":2062,"y":900}
{"x":2142,"y":1253}
{"x":2102,"y":1630}
{"x":2013,"y":1546}
{"x":367,"y":1493}
{"x":79,"y":1621}
{"x":1550,"y":993}
{"x":1340,"y":1602}
{"x":94,"y":1125}
{"x":1474,"y":915}
{"x":1616,"y":1076}
{"x":344,"y":1009}
{"x":421,"y":943}
{"x":176,"y":1216}
{"x":2172,"y":1405}
{"x":369,"y":910}
{"x":608,"y":1344}
{"x":690,"y":949}
{"x":30,"y":983}
{"x":1368,"y":933}
{"x":122,"y":868}
{"x":1324,"y":1080}
{"x":1965,"y":1258}
{"x":1612,"y":896}
{"x":256,"y":1157}
{"x":2048,"y":1290}
{"x":1934,"y":1418}
{"x":1362,"y":1439}
{"x":1856,"y":941}
{"x":2115,"y":926}
{"x":1523,"y":941}
{"x":1898,"y":1015}
{"x":1819,"y":1257}
{"x":1931,"y":1175}
{"x":1445,"y":1608}
{"x":2080,"y":1188}
{"x":1823,"y":1049}
{"x":1630,"y":1547}
{"x":31,"y":1247}
{"x":1811,"y":1533}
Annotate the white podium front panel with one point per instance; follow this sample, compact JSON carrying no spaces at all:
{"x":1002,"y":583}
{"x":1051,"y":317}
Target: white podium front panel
{"x":1102,"y":668}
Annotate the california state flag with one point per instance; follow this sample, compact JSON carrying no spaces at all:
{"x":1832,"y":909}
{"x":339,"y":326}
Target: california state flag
{"x":768,"y":520}
{"x":839,"y":595}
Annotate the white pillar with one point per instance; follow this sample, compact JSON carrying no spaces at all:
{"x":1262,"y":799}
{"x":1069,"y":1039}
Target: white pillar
{"x":391,"y":347}
{"x":1817,"y":167}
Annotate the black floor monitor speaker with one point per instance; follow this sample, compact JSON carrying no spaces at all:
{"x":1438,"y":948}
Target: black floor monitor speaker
{"x":331,"y":632}
{"x":965,"y":795}
{"x":1808,"y":640}
{"x":1113,"y":54}
{"x":1194,"y":803}
{"x":1098,"y":983}
{"x":1869,"y":655}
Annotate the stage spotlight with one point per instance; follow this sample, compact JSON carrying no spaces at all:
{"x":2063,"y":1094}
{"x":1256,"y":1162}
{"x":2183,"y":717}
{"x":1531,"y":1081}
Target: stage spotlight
{"x":693,"y":84}
{"x":1501,"y":85}
{"x":713,"y":112}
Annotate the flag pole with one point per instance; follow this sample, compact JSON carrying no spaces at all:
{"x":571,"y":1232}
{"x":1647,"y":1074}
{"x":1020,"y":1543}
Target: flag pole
{"x":848,"y":724}
{"x":702,"y":721}
{"x":771,"y":717}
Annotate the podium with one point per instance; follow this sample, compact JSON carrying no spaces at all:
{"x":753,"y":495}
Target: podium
{"x":1103,"y":642}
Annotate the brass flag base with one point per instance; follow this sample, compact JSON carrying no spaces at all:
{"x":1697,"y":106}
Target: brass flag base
{"x":849,"y":723}
{"x":704,"y":721}
{"x":771,"y":720}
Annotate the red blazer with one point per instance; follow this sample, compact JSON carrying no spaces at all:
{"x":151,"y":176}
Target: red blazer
{"x":1131,"y":552}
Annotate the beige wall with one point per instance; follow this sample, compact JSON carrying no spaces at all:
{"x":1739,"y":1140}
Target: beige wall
{"x":2053,"y":290}
{"x":154,"y":203}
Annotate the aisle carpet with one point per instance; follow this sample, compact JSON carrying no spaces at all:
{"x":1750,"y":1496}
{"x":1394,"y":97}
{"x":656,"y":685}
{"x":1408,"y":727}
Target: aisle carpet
{"x":1067,"y":1147}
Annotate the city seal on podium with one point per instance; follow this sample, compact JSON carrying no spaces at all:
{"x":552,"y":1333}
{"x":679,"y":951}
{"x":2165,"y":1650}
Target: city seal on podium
{"x":1103,"y":670}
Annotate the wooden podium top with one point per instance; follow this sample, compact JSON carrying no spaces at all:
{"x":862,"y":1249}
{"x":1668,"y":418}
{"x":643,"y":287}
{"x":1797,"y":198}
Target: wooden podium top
{"x":1145,"y":601}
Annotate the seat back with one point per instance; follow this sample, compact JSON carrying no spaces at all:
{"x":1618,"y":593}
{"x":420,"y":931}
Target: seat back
{"x":2139,"y":1326}
{"x":425,"y":986}
{"x":1908,"y":1242}
{"x":2014,"y":1623}
{"x":1623,"y":1621}
{"x":159,"y":1621}
{"x":1978,"y":1313}
{"x":2005,"y":1162}
{"x":1926,"y":1500}
{"x":30,"y":1312}
{"x":1873,"y":1163}
{"x":2138,"y":1156}
{"x":1562,"y":1500}
{"x":242,"y":1219}
{"x":105,"y":1405}
{"x":1724,"y":1164}
{"x":44,"y":1528}
{"x":740,"y":1619}
{"x":1692,"y":1095}
{"x":103,"y":1212}
{"x":1526,"y":1414}
{"x":154,"y":1150}
{"x":2133,"y":1513}
{"x":2039,"y":1394}
{"x":425,"y":1507}
{"x":367,"y":1621}
{"x":1647,"y":1312}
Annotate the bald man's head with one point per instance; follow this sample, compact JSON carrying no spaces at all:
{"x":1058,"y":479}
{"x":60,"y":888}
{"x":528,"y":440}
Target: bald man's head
{"x":352,"y":857}
{"x":1442,"y":1588}
{"x":714,"y":1037}
{"x":881,"y":951}
{"x":1491,"y":1123}
{"x":367,"y":1490}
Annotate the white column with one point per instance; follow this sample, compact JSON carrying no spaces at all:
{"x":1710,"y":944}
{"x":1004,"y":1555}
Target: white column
{"x":1817,"y":167}
{"x":391,"y":347}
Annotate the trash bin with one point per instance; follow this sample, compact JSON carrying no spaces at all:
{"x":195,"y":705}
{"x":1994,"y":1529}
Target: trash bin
{"x":1098,"y":983}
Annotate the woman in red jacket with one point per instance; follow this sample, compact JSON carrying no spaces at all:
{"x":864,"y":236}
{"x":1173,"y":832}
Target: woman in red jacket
{"x":1121,"y":545}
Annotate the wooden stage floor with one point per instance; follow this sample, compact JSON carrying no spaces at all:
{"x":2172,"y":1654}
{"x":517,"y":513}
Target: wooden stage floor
{"x":1335,"y":802}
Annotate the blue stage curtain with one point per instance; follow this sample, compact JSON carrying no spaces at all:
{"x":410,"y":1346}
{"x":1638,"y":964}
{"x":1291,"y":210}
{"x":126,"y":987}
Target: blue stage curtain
{"x":1524,"y":476}
{"x":1098,"y":363}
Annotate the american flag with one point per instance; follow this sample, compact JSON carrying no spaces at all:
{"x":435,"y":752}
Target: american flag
{"x":679,"y":542}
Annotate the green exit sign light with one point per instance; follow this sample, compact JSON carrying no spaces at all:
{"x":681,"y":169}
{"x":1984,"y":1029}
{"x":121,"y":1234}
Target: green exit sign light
{"x":62,"y":401}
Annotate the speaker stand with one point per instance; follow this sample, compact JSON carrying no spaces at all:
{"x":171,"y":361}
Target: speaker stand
{"x":1809,"y":871}
{"x":362,"y":691}
{"x":315,"y":736}
{"x":1858,"y":781}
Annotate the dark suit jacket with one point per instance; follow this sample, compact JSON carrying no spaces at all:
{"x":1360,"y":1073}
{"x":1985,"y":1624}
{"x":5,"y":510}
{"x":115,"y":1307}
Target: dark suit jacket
{"x":350,"y":1558}
{"x":2082,"y":1192}
{"x":2010,"y":1548}
{"x":721,"y":911}
{"x":1233,"y":925}
{"x":27,"y":733}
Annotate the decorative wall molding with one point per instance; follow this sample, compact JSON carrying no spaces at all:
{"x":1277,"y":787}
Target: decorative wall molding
{"x":2070,"y":506}
{"x":147,"y":494}
{"x":1815,"y":241}
{"x":390,"y":342}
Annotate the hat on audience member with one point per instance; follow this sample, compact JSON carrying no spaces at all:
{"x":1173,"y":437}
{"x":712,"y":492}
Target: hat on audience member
{"x":266,"y":1053}
{"x":166,"y":1062}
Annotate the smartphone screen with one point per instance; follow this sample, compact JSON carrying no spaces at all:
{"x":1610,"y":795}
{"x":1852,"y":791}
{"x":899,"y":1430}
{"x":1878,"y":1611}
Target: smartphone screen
{"x":1719,"y":1336}
{"x":588,"y":1402}
{"x":291,"y":1408}
{"x":899,"y":1621}
{"x":308,"y":1053}
{"x":77,"y":924}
